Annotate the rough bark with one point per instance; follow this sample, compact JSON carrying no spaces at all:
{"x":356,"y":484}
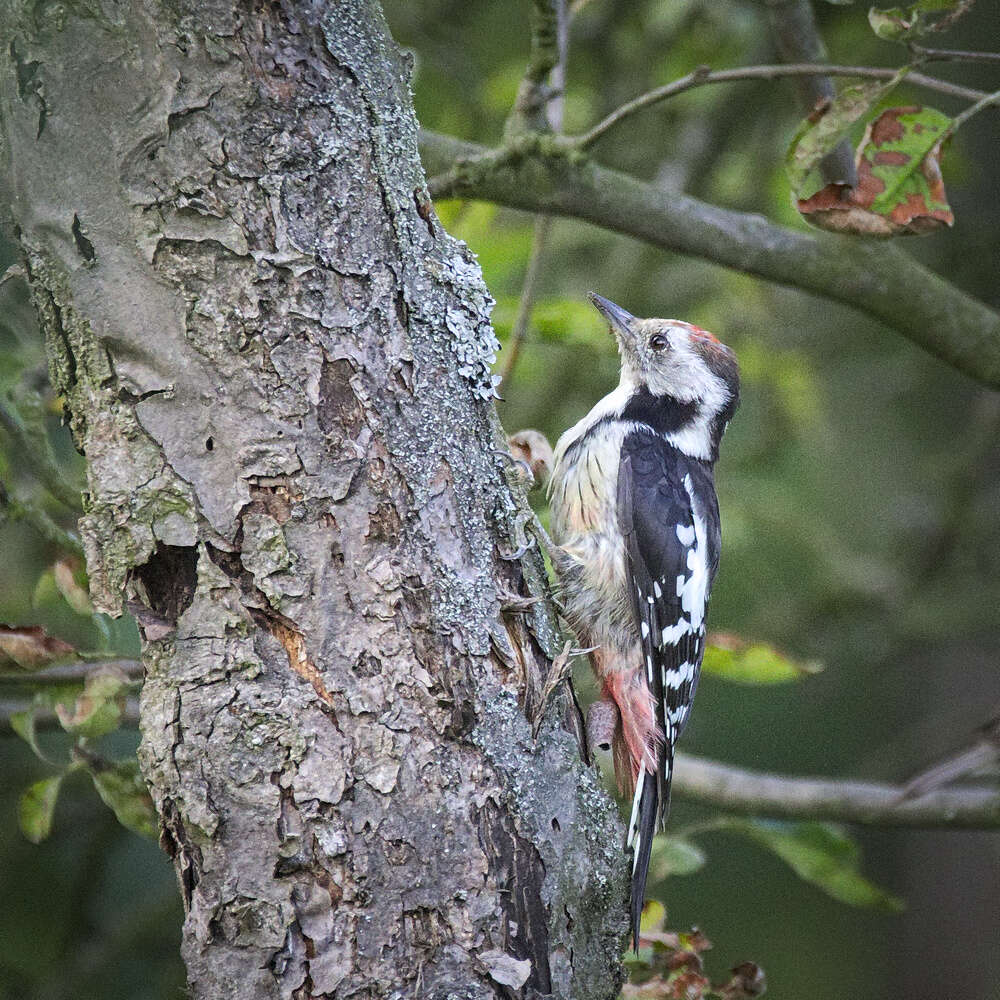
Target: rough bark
{"x":277,"y":365}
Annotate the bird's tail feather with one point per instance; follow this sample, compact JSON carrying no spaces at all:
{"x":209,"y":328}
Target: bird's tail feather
{"x":642,"y":827}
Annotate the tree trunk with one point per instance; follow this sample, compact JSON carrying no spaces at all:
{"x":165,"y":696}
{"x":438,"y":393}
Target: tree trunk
{"x":277,"y":365}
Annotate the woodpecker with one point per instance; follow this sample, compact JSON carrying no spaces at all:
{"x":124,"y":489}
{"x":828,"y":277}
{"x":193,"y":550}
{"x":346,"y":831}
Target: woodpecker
{"x":635,"y":521}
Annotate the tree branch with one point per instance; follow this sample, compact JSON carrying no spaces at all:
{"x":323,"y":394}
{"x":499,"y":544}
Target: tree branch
{"x":535,"y":92}
{"x":760,"y":794}
{"x":798,"y":40}
{"x":547,"y":175}
{"x":987,"y":101}
{"x":702,"y":75}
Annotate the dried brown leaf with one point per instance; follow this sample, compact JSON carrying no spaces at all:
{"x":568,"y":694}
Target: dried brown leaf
{"x":30,"y":647}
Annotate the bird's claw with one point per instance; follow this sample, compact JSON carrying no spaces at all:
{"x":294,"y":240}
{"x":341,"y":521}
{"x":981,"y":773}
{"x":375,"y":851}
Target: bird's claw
{"x":519,"y":552}
{"x":527,"y":477}
{"x":517,"y":603}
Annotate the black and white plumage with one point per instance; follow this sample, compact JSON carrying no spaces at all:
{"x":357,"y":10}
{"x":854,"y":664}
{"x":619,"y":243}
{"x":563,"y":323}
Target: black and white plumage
{"x":636,"y":521}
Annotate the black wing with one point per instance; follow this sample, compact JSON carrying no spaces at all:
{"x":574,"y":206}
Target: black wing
{"x":669,"y":520}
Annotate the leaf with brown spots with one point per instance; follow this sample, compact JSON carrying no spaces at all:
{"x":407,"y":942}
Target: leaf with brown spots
{"x":900,"y":190}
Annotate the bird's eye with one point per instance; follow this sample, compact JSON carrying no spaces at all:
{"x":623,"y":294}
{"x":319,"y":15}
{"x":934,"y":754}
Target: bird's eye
{"x":658,"y":342}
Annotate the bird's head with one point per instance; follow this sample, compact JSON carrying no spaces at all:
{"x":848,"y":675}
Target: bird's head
{"x":679,"y":365}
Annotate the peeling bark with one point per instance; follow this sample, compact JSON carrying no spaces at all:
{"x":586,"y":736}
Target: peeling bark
{"x":277,"y":365}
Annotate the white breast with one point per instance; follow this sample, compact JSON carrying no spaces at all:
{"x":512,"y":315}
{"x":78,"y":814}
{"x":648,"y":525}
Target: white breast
{"x":583,"y":495}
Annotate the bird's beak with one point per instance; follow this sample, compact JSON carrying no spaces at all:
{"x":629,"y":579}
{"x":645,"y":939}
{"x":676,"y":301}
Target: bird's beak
{"x":622,"y":322}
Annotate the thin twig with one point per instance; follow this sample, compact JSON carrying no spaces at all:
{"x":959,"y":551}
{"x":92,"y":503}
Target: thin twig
{"x":958,"y":11}
{"x":953,"y":55}
{"x":989,"y":100}
{"x":543,"y":225}
{"x":69,"y":673}
{"x":980,"y":755}
{"x":756,"y":793}
{"x":702,"y":75}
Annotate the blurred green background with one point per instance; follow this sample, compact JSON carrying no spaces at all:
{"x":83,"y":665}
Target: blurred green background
{"x":859,"y":484}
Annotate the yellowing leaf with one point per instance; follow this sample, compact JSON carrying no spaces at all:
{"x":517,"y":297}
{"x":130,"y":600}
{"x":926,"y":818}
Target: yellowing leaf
{"x":653,"y":916}
{"x":744,"y":662}
{"x":71,"y":582}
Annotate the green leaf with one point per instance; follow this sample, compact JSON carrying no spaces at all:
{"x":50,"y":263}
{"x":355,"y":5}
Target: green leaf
{"x":675,"y":856}
{"x":819,"y":134}
{"x":901,"y":24}
{"x":23,"y":723}
{"x":45,"y":592}
{"x":821,"y":854}
{"x":895,"y":24}
{"x":98,"y":708}
{"x":735,"y":659}
{"x":122,"y":789}
{"x":37,"y":807}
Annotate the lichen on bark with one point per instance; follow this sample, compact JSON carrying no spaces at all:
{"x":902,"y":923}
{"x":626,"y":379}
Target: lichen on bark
{"x":278,"y":366}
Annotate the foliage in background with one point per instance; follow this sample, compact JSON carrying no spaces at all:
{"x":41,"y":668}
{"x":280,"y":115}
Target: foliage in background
{"x":859,"y":485}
